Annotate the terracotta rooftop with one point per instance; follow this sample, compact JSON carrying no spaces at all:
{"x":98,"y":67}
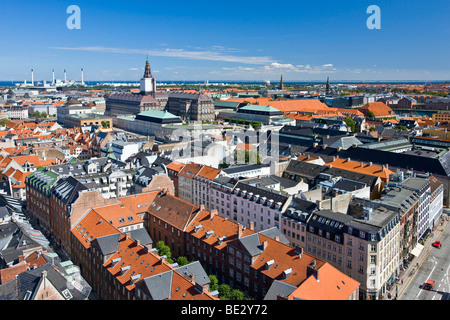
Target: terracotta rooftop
{"x":92,"y":226}
{"x":173,"y":210}
{"x":361,"y":167}
{"x":175,"y":166}
{"x":210,"y":227}
{"x":136,"y":261}
{"x":332,"y":285}
{"x":379,"y":109}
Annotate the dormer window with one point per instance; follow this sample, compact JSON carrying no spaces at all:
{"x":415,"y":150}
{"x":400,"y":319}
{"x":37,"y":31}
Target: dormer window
{"x":124,"y":270}
{"x":268,"y":264}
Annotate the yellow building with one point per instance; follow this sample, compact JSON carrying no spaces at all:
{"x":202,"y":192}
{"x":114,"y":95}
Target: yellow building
{"x":441,"y":116}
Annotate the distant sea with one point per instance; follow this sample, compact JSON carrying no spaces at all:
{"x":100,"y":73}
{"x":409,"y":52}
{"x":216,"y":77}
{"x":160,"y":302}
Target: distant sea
{"x":229,"y":82}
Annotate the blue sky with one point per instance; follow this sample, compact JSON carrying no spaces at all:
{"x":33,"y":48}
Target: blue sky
{"x":226,"y":40}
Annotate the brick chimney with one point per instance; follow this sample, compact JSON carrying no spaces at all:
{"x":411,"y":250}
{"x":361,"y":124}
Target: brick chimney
{"x":240,"y":230}
{"x":264,"y":244}
{"x":251,"y":225}
{"x":311,"y":270}
{"x":213,"y":213}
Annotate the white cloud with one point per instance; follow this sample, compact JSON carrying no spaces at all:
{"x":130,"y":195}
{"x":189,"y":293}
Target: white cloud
{"x":210,"y":55}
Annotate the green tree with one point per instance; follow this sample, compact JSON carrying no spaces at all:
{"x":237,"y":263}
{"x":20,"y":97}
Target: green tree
{"x":163,"y":250}
{"x":4,"y":122}
{"x":249,"y":156}
{"x":214,"y":283}
{"x":370,"y":114}
{"x":36,"y":114}
{"x":350,"y":123}
{"x":237,"y":295}
{"x":182,"y":261}
{"x":400,"y":127}
{"x":224,"y":291}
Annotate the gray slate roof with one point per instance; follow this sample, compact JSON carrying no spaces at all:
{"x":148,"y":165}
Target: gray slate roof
{"x":107,"y":244}
{"x":195,"y":269}
{"x":28,"y":281}
{"x":159,"y":286}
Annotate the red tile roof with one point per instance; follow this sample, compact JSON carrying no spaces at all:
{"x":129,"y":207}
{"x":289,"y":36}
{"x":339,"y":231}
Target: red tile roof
{"x":330,"y":285}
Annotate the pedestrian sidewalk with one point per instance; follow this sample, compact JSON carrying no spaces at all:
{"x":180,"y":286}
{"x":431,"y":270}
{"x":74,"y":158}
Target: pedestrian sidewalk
{"x":405,"y":278}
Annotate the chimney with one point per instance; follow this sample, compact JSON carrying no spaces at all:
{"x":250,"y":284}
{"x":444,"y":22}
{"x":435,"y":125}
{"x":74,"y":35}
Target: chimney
{"x":138,"y":243}
{"x":213,"y":213}
{"x":162,"y":259}
{"x":251,"y":225}
{"x":240,"y":230}
{"x":311,"y":270}
{"x":44,"y":278}
{"x":202,"y":207}
{"x":277,"y":238}
{"x":127,"y":235}
{"x":264,"y":244}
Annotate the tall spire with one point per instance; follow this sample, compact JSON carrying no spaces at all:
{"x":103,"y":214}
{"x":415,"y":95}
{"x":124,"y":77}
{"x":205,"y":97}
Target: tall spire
{"x":281,"y":83}
{"x":148,"y":73}
{"x":327,"y":89}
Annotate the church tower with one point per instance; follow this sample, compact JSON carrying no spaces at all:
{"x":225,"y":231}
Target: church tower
{"x":281,"y":83}
{"x":148,"y":83}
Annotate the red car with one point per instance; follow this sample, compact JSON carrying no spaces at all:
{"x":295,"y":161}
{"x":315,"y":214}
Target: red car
{"x":429,"y":284}
{"x":436,"y":244}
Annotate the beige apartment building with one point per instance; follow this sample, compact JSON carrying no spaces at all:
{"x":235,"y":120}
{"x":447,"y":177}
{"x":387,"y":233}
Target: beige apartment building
{"x":366,"y":248}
